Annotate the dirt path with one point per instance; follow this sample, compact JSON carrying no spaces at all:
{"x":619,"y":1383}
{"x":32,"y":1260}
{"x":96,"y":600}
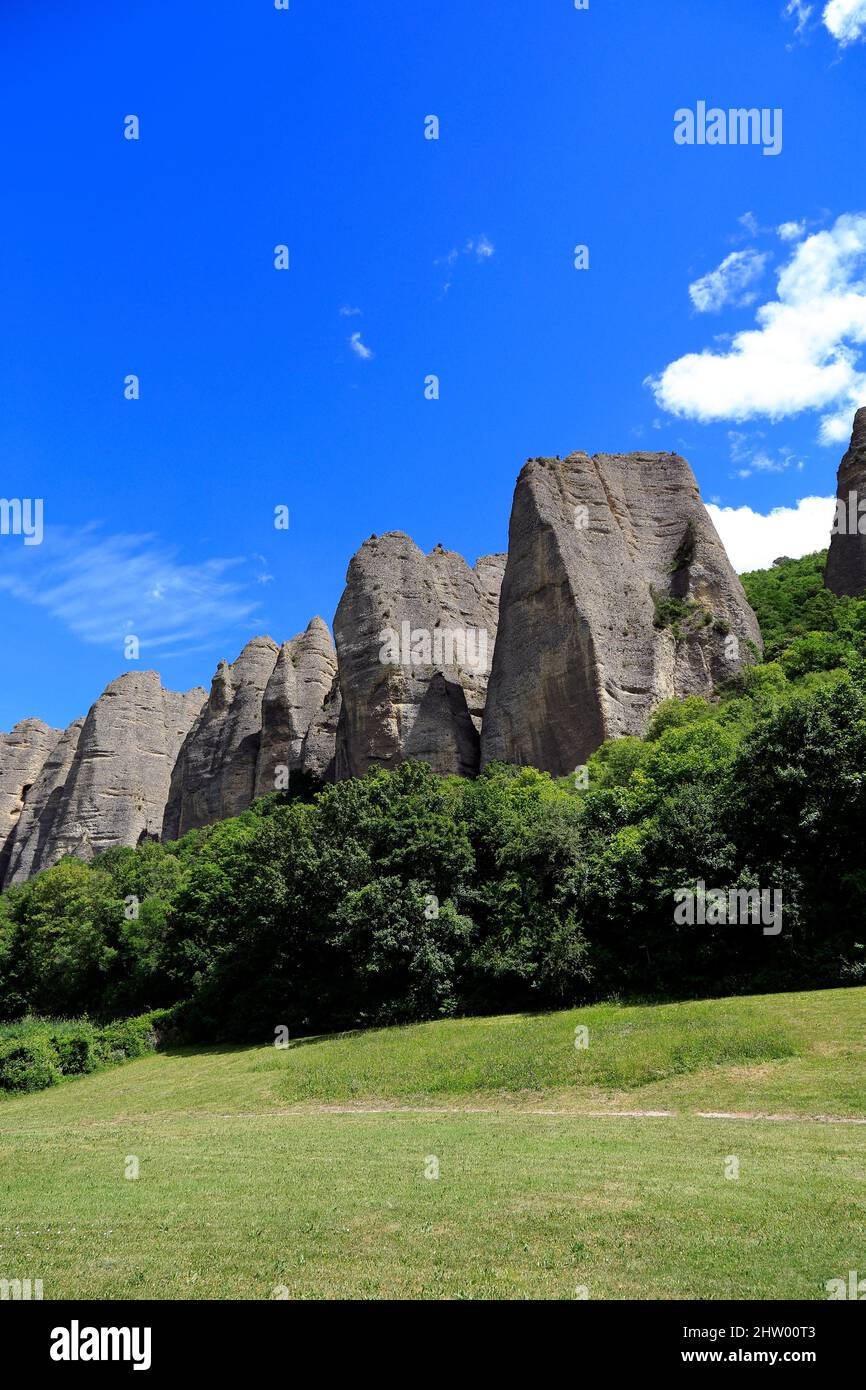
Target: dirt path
{"x":573,"y":1114}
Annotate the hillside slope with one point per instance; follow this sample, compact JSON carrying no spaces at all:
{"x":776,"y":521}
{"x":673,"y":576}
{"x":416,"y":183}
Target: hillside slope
{"x":311,"y":1172}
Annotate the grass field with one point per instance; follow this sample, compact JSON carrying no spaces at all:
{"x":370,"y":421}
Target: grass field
{"x":304,"y":1172}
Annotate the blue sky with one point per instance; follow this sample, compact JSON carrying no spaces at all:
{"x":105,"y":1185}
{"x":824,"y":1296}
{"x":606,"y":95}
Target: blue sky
{"x":452,"y":257}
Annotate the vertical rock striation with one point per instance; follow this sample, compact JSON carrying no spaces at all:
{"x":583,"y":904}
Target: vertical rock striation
{"x":294,"y":697}
{"x":118,"y":781}
{"x":215,"y":773}
{"x":23,"y":752}
{"x":32,"y":842}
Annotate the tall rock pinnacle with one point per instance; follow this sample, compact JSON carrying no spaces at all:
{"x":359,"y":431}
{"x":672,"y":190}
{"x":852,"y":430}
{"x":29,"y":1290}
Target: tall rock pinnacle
{"x":215,"y":773}
{"x":295,"y":696}
{"x":846,"y":562}
{"x":415,"y":634}
{"x":617,"y":594}
{"x":31,"y":843}
{"x":22,"y":755}
{"x":117,"y":777}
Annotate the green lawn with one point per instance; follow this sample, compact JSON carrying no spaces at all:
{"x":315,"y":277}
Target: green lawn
{"x":247,"y":1182}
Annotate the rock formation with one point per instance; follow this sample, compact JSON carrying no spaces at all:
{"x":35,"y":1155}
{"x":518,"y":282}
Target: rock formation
{"x":118,"y":780}
{"x":215,"y":773}
{"x":415,"y":634}
{"x":295,"y":695}
{"x":31,"y":844}
{"x":22,"y":755}
{"x":253,"y":728}
{"x":319,"y":751}
{"x":617,"y":594}
{"x":846,"y":562}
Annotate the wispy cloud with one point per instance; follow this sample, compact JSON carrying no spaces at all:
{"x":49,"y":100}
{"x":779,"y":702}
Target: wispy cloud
{"x":750,"y":455}
{"x":360,"y":348}
{"x":729,"y":283}
{"x":106,"y":587}
{"x":481,"y":247}
{"x":348,"y":312}
{"x":801,"y":12}
{"x":478,"y":248}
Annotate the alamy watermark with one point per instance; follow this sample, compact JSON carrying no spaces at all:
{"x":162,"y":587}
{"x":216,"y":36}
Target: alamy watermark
{"x":439,"y":646}
{"x":850,"y":518}
{"x":852,"y":1288}
{"x":20,"y":1290}
{"x":22,"y":516}
{"x":736,"y":126}
{"x":714,"y":907}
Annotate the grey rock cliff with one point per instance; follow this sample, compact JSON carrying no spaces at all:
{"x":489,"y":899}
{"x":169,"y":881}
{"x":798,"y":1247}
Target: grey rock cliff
{"x":294,"y":697}
{"x":415,"y":634}
{"x":117,"y":785}
{"x":23,"y":752}
{"x":32,"y":841}
{"x":215,"y":773}
{"x":846,"y":562}
{"x":618,"y":594}
{"x":615,"y":595}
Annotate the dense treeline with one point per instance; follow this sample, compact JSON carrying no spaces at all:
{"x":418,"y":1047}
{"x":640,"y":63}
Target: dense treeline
{"x":405,"y":895}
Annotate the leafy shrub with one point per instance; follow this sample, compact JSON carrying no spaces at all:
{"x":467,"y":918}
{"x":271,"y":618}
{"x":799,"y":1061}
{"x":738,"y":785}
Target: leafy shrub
{"x":28,"y":1064}
{"x":131,"y":1037}
{"x":39,"y":1052}
{"x":76,"y":1049}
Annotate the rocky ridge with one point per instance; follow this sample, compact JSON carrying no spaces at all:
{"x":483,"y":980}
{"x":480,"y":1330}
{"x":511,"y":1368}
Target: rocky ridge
{"x":616,"y":593}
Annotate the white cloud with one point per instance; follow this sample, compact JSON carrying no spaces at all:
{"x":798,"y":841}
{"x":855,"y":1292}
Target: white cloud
{"x":360,"y":348}
{"x":846,"y":20}
{"x":729,"y":283}
{"x":103,"y":587}
{"x":791,"y":231}
{"x":348,"y":312}
{"x":803,"y":355}
{"x":753,"y":541}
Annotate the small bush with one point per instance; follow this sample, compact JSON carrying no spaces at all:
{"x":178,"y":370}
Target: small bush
{"x":76,"y":1049}
{"x":28,"y":1064}
{"x":131,"y":1037}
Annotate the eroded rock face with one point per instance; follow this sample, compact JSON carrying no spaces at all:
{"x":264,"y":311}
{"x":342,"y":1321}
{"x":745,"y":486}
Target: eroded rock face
{"x":846,"y":562}
{"x":415,"y":635}
{"x":118,"y":781}
{"x":31,"y":843}
{"x":319,"y":751}
{"x":215,"y":773}
{"x":617,"y":594}
{"x":294,"y":697}
{"x":23,"y":752}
